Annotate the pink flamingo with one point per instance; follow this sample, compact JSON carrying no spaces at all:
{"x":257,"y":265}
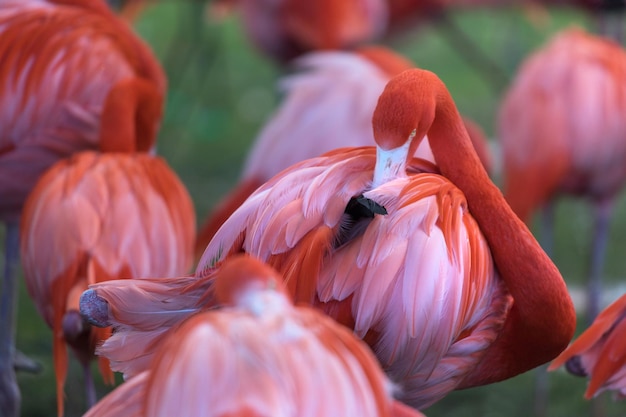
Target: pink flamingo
{"x":72,"y":77}
{"x":435,"y":272}
{"x":563,"y":132}
{"x":95,"y":217}
{"x":261,"y":356}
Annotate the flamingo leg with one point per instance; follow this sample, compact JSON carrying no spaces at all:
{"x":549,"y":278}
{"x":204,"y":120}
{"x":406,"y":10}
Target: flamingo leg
{"x":9,"y":390}
{"x":547,"y":228}
{"x":603,"y":211}
{"x":90,"y":388}
{"x":542,"y":386}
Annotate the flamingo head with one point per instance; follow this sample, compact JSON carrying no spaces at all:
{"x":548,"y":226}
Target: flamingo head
{"x":241,"y":276}
{"x":405,"y":111}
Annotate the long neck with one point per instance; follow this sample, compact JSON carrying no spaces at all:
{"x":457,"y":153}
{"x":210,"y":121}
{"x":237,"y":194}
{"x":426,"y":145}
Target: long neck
{"x":542,"y":318}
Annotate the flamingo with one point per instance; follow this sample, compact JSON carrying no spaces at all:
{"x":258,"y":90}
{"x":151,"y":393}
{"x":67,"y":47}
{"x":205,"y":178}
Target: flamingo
{"x":72,"y":77}
{"x":94,"y":217}
{"x":563,"y":132}
{"x":328,"y":104}
{"x":434,"y":271}
{"x":260,"y":355}
{"x":600,"y":353}
{"x":286,"y":29}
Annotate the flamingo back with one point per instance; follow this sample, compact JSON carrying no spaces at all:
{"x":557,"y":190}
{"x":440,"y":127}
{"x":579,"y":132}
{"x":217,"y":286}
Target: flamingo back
{"x":59,"y":64}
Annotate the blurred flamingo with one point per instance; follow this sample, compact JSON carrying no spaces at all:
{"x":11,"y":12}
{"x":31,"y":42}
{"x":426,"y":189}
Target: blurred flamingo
{"x":95,"y":217}
{"x":600,"y":352}
{"x":286,"y":29}
{"x":445,"y":298}
{"x":328,"y":104}
{"x":261,"y":355}
{"x":563,"y":132}
{"x":72,"y":77}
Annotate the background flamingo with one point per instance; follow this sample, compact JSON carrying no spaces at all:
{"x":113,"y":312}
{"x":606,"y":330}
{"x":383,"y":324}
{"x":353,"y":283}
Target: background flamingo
{"x":72,"y":77}
{"x":599,"y":353}
{"x":350,"y":220}
{"x":260,"y":356}
{"x":96,"y":217}
{"x":563,"y":132}
{"x":328,"y":104}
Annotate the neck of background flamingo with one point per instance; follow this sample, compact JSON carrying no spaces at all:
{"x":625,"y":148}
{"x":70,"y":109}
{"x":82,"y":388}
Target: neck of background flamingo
{"x":532,"y":278}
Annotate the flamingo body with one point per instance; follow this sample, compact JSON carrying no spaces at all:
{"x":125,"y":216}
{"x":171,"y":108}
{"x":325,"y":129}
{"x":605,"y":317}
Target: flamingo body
{"x":96,"y":217}
{"x":563,"y":133}
{"x":260,"y":356}
{"x":413,"y":320}
{"x":561,"y":123}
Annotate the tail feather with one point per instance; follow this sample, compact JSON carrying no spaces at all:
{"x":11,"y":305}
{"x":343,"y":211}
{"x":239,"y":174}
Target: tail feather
{"x":141,"y":311}
{"x":148,"y":304}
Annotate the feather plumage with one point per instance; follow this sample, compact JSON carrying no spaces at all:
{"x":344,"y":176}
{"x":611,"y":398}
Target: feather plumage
{"x":97,"y":217}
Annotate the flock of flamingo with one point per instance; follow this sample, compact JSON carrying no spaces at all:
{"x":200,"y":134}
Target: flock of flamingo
{"x":361,"y":266}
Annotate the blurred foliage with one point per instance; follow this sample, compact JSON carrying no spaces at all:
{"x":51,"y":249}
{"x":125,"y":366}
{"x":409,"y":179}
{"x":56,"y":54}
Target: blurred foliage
{"x":220,"y":93}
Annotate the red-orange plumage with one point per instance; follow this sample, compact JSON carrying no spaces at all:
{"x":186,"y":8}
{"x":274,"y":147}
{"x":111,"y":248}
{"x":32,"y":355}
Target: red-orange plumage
{"x":97,"y":217}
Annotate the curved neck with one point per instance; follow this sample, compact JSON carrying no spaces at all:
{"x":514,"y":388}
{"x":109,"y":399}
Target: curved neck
{"x":543,"y":315}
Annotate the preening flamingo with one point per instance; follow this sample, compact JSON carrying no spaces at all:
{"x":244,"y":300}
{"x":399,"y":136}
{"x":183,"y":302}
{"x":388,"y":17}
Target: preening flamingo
{"x":258,"y":355}
{"x":72,"y":77}
{"x":95,"y":217}
{"x":328,"y":104}
{"x":563,"y":131}
{"x":435,"y":272}
{"x":599,"y":353}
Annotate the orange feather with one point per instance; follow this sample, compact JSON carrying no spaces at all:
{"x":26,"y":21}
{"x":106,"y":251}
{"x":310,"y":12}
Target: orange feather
{"x":97,"y":217}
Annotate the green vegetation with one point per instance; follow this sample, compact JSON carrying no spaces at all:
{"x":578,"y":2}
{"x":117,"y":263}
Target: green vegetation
{"x":220,"y":93}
